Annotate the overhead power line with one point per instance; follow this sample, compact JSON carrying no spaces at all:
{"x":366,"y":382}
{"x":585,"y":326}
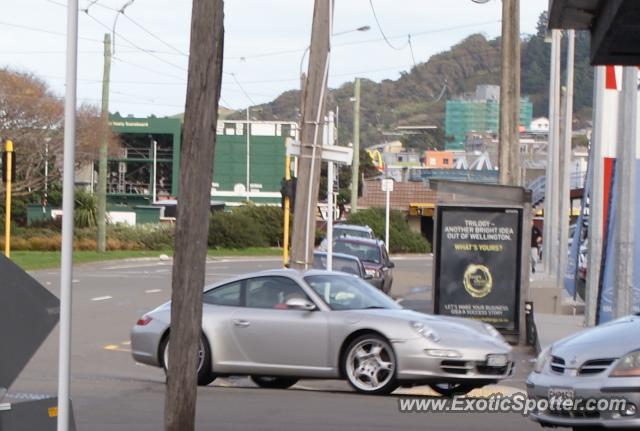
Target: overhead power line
{"x":242,"y":89}
{"x":375,"y":16}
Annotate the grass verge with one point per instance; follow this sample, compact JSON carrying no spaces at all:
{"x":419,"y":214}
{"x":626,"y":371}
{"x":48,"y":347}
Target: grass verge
{"x":33,"y":260}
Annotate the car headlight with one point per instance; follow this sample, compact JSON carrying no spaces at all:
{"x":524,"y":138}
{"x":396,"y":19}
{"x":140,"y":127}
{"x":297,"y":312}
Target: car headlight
{"x":493,"y":331}
{"x":543,"y":359}
{"x":425,"y":331}
{"x":628,"y":366}
{"x":372,"y":272}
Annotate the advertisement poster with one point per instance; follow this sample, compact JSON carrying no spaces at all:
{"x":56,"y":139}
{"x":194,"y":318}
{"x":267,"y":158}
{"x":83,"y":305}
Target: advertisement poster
{"x":478,"y":264}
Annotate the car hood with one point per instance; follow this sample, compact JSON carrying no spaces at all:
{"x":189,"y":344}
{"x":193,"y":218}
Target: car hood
{"x":604,"y":341}
{"x":452,"y":330}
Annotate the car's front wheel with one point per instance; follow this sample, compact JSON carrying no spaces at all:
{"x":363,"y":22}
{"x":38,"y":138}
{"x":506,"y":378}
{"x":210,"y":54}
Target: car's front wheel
{"x":205,"y":373}
{"x":273,"y":382}
{"x":370,"y":365}
{"x":452,"y":389}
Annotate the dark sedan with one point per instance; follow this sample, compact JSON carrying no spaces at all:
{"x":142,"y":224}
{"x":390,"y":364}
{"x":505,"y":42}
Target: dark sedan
{"x":374,"y":257}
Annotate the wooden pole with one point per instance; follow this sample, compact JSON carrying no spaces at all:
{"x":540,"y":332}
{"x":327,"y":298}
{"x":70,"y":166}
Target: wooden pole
{"x":196,"y":172}
{"x":314,"y":94}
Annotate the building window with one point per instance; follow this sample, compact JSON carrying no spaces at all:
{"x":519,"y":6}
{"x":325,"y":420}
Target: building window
{"x":445,"y":161}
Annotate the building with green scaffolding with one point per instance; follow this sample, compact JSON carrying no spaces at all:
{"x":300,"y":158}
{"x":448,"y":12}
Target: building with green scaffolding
{"x":479,"y":112}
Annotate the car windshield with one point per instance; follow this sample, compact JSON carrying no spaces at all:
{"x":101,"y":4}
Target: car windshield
{"x":342,"y":292}
{"x":350,"y":266}
{"x":366,"y":252}
{"x":350,"y":232}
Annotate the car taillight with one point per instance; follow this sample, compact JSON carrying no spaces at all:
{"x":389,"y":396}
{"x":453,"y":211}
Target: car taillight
{"x":144,"y":320}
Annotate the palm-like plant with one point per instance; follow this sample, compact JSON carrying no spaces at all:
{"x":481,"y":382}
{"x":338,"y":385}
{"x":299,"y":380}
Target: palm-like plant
{"x":85,"y":209}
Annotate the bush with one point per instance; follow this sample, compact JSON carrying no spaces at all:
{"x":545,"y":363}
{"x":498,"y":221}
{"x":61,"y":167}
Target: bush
{"x":143,"y":236}
{"x":85,"y":212}
{"x":403,"y":239}
{"x":235,"y":229}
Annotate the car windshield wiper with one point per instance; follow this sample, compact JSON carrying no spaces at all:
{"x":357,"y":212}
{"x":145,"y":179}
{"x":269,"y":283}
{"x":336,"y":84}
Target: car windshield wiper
{"x":375,"y":307}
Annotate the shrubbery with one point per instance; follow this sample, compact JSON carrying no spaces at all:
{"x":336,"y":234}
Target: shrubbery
{"x":403,"y":239}
{"x":246,"y":226}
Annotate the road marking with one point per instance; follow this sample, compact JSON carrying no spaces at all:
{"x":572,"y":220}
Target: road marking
{"x":116,"y":348}
{"x":101,"y":298}
{"x":126,"y":343}
{"x":75,"y":281}
{"x":153,"y":291}
{"x":109,"y":268}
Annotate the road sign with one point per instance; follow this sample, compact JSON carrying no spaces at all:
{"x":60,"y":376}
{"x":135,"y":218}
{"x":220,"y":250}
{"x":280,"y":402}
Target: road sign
{"x":387,"y":185}
{"x":330,"y":153}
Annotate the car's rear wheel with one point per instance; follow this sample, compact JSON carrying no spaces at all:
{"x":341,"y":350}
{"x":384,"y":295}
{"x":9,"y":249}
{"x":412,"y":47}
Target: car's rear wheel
{"x":370,"y":365}
{"x":205,"y":373}
{"x":452,"y":389}
{"x":272,"y":382}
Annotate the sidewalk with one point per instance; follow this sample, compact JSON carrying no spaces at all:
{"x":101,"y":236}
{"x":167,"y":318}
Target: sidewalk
{"x":554,"y":327}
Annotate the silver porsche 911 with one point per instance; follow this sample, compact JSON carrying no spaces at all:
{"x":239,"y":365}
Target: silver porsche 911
{"x":282,"y":325}
{"x":596,"y":364}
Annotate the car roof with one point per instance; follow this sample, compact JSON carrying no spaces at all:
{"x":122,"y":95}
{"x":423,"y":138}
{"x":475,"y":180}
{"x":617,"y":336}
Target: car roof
{"x":355,"y":240}
{"x":338,"y":255}
{"x":353,"y":226}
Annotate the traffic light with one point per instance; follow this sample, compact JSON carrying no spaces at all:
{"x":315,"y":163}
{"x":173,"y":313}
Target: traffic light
{"x":288,"y":190}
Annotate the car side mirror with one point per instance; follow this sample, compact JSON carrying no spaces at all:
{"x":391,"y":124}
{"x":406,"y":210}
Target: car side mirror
{"x":391,"y":265}
{"x":368,"y":276}
{"x":300,"y":304}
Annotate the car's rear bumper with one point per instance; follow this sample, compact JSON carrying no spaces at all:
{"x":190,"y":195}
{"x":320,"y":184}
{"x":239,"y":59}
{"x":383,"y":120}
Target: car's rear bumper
{"x":145,"y":342}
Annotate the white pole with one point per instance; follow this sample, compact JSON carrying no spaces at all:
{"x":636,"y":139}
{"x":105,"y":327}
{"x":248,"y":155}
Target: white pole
{"x":66,"y":269}
{"x":329,"y":141}
{"x":594,"y":253}
{"x":549,"y":190}
{"x":248,"y":132}
{"x":155,"y":166}
{"x":386,"y":219}
{"x":565,"y":168}
{"x":625,"y":181}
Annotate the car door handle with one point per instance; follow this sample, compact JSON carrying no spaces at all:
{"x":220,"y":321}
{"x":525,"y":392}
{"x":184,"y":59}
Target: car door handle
{"x":241,"y":323}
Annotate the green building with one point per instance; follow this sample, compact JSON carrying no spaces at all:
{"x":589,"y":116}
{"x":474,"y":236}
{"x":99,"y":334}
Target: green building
{"x":479,"y":113}
{"x":246,"y":168}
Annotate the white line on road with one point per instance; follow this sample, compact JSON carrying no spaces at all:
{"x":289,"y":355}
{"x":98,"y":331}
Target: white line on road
{"x":101,"y":298}
{"x":153,"y":291}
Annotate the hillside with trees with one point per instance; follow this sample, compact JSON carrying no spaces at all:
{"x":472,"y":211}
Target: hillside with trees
{"x":418,"y":97}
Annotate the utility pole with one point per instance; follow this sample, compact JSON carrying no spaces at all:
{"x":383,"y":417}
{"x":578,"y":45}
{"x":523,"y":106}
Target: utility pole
{"x":355,"y":165}
{"x":248,"y":168}
{"x":101,"y":207}
{"x":304,"y":223}
{"x":565,"y":164}
{"x":625,"y":181}
{"x":196,"y":172}
{"x":509,"y":146}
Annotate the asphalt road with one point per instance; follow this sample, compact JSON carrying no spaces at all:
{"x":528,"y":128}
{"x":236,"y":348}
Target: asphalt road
{"x":110,"y":391}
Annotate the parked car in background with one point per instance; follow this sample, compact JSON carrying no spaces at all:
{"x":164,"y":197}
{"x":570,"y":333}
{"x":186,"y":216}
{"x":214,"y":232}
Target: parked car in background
{"x":374,"y":257}
{"x":597,"y":363}
{"x":342,"y":263}
{"x":352,"y":230}
{"x":279,"y":326}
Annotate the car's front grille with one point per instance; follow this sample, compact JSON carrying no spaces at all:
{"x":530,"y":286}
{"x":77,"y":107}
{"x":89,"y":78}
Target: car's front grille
{"x":557,"y":364}
{"x":573,"y":414}
{"x":492,"y":371}
{"x":456,"y":366}
{"x":595,"y":366}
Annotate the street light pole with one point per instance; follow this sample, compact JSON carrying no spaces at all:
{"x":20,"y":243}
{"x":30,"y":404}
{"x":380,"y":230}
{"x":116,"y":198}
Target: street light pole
{"x":355,"y":165}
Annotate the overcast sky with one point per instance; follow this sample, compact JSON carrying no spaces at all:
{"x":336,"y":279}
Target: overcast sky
{"x":264,"y":43}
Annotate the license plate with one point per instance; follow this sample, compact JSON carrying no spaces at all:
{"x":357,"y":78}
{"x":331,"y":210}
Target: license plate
{"x":496,"y":360}
{"x":561,"y":394}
